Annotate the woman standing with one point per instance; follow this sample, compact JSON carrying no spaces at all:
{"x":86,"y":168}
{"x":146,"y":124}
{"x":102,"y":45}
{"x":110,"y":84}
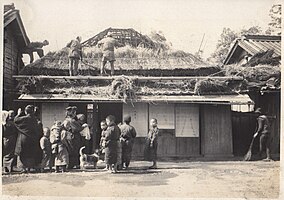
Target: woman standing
{"x":151,"y":144}
{"x":76,"y":128}
{"x":10,"y":134}
{"x":27,"y":146}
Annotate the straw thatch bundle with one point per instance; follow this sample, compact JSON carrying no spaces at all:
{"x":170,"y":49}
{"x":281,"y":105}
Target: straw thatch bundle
{"x":264,"y":58}
{"x":123,"y":88}
{"x":210,"y":86}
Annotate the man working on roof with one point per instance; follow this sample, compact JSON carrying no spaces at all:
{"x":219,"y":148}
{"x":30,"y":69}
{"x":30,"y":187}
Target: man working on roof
{"x":35,"y":47}
{"x":263,"y":128}
{"x":75,"y":55}
{"x":107,"y":44}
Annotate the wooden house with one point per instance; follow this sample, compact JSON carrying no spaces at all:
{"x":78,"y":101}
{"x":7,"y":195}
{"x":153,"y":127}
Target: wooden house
{"x":15,"y":39}
{"x":252,"y":51}
{"x":247,"y":46}
{"x":192,"y":104}
{"x":190,"y":125}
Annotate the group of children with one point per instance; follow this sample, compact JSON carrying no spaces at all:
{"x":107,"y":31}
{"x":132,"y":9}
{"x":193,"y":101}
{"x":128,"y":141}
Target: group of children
{"x":124,"y":144}
{"x":56,"y":143}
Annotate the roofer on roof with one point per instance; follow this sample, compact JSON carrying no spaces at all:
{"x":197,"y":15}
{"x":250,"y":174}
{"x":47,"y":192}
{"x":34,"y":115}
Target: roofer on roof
{"x":107,"y":44}
{"x":75,"y":55}
{"x":35,"y":47}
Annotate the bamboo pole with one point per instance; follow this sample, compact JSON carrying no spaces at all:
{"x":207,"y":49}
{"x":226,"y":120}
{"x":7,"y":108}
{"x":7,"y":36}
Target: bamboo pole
{"x":138,"y":78}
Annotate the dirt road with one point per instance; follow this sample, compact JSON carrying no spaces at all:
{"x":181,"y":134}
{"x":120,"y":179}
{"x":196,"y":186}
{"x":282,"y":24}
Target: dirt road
{"x":185,"y":179}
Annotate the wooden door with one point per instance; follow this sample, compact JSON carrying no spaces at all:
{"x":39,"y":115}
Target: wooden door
{"x":216,"y":130}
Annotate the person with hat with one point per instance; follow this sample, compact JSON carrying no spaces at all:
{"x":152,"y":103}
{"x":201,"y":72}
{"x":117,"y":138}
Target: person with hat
{"x":27,"y":147}
{"x":75,"y":55}
{"x":128,"y":133}
{"x":107,"y":45}
{"x":263,"y":129}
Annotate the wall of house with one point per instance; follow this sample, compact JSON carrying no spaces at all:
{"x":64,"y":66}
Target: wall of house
{"x":186,"y":130}
{"x":270,"y":104}
{"x":216,"y":130}
{"x":51,"y":112}
{"x":11,"y":62}
{"x":179,"y":134}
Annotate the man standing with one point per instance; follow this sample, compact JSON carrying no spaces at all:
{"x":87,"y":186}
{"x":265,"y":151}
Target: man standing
{"x":75,"y":55}
{"x":35,"y":47}
{"x":263,"y":128}
{"x":107,"y":44}
{"x":128,"y":133}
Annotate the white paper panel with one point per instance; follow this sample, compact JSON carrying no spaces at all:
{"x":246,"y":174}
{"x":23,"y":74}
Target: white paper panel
{"x":53,"y":112}
{"x":165,"y":115}
{"x":139,"y":117}
{"x":187,"y":120}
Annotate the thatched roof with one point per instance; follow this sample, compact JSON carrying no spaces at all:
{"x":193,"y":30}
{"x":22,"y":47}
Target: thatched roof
{"x":133,"y":62}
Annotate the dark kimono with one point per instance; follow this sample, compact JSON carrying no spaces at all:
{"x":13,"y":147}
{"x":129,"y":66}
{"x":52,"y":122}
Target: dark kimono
{"x":111,"y":137}
{"x":10,"y":134}
{"x":76,"y":128}
{"x":151,"y":145}
{"x":128,"y":133}
{"x":45,"y":145}
{"x":28,"y":148}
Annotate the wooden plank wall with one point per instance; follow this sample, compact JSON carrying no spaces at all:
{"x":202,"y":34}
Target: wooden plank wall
{"x":243,"y":128}
{"x":216,"y":130}
{"x":51,"y":112}
{"x":10,"y":59}
{"x":270,"y":104}
{"x":169,"y":144}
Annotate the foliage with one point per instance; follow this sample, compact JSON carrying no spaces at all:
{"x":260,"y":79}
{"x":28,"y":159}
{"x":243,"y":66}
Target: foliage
{"x":227,"y":39}
{"x":274,"y":26}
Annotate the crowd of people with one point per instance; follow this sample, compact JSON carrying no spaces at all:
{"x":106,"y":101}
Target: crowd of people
{"x":29,"y":145}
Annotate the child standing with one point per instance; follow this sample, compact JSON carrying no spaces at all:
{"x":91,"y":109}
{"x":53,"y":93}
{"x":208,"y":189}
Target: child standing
{"x":119,"y":155}
{"x":103,"y":141}
{"x":112,"y":136}
{"x":58,"y":139}
{"x":151,"y":144}
{"x":45,"y":145}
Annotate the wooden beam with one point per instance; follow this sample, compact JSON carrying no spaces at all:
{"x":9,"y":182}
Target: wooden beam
{"x":138,"y":78}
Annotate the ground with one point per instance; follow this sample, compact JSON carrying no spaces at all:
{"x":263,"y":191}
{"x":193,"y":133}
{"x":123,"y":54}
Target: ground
{"x":235,"y":179}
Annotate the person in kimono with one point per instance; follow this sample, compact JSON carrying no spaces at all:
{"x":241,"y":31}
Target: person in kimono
{"x":128,"y":133}
{"x":27,"y":147}
{"x":58,"y":138}
{"x":75,"y":143}
{"x":45,"y":145}
{"x":85,"y":133}
{"x":111,"y":137}
{"x":151,"y":144}
{"x":103,"y":141}
{"x":9,"y":140}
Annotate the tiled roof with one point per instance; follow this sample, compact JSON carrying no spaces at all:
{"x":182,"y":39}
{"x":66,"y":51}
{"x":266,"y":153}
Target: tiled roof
{"x":256,"y":43}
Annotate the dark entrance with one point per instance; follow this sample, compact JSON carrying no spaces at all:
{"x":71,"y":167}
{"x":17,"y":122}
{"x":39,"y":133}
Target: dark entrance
{"x":105,"y":109}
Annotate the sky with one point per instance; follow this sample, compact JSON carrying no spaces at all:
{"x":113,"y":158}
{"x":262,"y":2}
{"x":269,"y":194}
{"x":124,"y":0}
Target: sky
{"x":183,"y":22}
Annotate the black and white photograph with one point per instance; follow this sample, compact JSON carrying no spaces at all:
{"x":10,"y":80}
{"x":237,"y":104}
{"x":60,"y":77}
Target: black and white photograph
{"x":141,"y":99}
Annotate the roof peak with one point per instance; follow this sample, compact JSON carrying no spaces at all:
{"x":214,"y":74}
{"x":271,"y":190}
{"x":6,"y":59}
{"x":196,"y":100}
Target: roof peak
{"x":262,"y":37}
